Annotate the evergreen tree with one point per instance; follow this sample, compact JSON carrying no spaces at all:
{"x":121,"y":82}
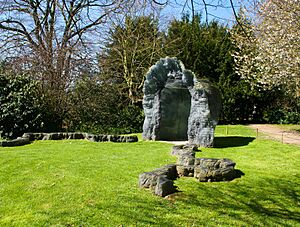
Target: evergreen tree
{"x":133,"y":47}
{"x":207,"y":49}
{"x":201,"y":47}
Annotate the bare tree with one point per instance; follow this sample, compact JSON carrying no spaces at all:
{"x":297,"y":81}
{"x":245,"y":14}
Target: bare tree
{"x":206,"y":7}
{"x":50,"y":38}
{"x":49,"y":33}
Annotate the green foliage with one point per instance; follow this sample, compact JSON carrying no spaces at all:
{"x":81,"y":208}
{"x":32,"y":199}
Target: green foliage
{"x":203,"y":48}
{"x":206,"y":50}
{"x":134,"y":46}
{"x":282,"y":116}
{"x":97,"y":108}
{"x":93,"y":106}
{"x":73,"y":183}
{"x":19,"y":106}
{"x":130,"y":120}
{"x":242,"y":104}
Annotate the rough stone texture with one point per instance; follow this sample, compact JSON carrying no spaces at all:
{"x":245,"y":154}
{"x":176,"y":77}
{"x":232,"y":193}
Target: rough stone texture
{"x":177,"y":106}
{"x":212,"y":169}
{"x":160,"y":181}
{"x":79,"y":135}
{"x":205,"y":109}
{"x":184,"y":149}
{"x":28,"y":137}
{"x":186,"y":160}
{"x":167,"y":100}
{"x":164,"y":186}
{"x":185,"y":171}
{"x":16,"y":142}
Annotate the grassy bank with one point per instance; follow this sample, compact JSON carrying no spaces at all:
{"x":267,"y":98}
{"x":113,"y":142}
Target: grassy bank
{"x":85,"y":183}
{"x":292,"y":128}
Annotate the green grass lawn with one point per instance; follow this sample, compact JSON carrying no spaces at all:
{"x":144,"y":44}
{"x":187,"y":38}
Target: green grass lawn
{"x":295,"y":128}
{"x":73,"y":183}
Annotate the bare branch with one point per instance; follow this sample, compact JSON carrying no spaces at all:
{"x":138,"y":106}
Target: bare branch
{"x":23,"y":31}
{"x":160,"y":3}
{"x":206,"y":13}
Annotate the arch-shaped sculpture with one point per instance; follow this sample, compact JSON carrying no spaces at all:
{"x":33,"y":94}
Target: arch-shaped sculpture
{"x":177,"y":106}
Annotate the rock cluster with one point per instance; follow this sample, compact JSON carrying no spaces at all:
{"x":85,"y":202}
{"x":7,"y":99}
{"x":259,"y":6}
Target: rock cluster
{"x":177,"y":106}
{"x":204,"y":169}
{"x":79,"y":135}
{"x":161,"y":181}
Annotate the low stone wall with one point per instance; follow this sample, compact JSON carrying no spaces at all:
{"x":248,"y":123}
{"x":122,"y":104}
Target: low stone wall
{"x":16,"y":142}
{"x":28,"y":137}
{"x":79,"y":135}
{"x":160,"y":181}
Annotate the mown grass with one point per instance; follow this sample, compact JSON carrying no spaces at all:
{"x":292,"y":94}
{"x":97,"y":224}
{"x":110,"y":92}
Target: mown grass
{"x":83,"y":183}
{"x":290,"y":127}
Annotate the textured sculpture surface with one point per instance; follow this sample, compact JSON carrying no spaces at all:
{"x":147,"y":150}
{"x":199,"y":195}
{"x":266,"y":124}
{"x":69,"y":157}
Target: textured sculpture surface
{"x":177,"y":106}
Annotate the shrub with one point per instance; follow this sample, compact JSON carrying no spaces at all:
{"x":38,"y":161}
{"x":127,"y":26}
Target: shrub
{"x":19,"y":106}
{"x":97,"y":107}
{"x":282,"y":116}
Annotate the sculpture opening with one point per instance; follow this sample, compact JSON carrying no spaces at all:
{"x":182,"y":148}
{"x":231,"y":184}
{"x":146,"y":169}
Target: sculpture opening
{"x":177,"y":106}
{"x":175,"y":111}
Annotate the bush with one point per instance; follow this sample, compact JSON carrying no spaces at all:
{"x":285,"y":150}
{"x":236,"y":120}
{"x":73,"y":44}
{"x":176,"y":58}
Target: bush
{"x":281,"y":116}
{"x":19,"y":106}
{"x":97,"y":107}
{"x":130,"y":120}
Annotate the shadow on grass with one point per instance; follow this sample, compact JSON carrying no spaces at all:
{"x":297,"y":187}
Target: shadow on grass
{"x":239,"y":173}
{"x":273,"y":203}
{"x":232,"y":141}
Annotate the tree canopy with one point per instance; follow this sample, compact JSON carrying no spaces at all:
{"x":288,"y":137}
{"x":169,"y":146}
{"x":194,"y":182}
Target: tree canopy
{"x":50,"y":50}
{"x":268,"y":55}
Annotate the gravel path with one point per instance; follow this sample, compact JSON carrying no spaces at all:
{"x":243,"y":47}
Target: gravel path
{"x":265,"y":131}
{"x":274,"y":132}
{"x":175,"y":142}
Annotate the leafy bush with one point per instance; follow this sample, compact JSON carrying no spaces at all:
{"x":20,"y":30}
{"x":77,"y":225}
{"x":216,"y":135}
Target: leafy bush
{"x":19,"y":106}
{"x":97,"y":107}
{"x":282,"y":116}
{"x":130,"y":120}
{"x":292,"y":118}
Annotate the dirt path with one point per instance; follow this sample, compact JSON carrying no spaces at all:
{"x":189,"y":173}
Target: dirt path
{"x":273,"y":132}
{"x":265,"y":131}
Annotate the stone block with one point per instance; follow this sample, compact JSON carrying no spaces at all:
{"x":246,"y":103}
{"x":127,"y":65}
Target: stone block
{"x":148,"y":180}
{"x":179,"y":150}
{"x":160,"y":180}
{"x":211,"y":169}
{"x":185,"y":171}
{"x":186,"y":159}
{"x":164,"y":186}
{"x":78,"y":136}
{"x":131,"y":139}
